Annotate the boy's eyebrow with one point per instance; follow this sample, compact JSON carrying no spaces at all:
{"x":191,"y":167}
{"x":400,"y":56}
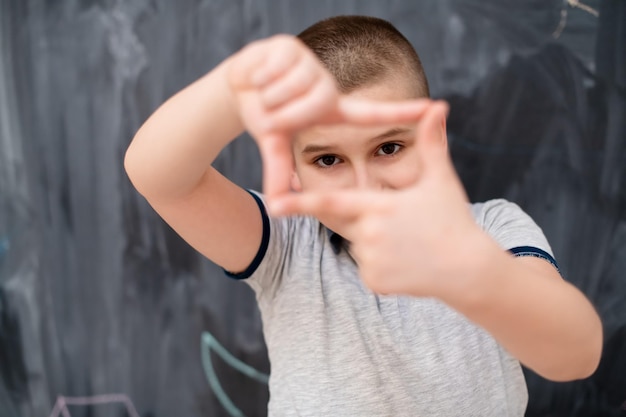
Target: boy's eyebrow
{"x":316,"y":148}
{"x":390,"y":133}
{"x":313,"y":148}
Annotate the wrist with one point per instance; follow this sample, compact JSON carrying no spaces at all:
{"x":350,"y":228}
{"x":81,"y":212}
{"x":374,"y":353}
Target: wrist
{"x":227,"y":91}
{"x":466,"y":283}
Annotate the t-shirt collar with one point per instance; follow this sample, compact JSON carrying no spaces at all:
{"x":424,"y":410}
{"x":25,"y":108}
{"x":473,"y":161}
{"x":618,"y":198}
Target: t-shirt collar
{"x":337,"y":242}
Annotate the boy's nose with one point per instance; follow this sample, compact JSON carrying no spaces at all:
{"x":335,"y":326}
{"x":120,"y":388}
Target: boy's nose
{"x":367,"y":179}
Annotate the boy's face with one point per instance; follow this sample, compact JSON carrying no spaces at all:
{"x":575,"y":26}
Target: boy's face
{"x":349,"y":157}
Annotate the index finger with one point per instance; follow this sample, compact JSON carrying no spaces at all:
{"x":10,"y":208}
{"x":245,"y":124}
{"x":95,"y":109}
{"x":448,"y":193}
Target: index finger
{"x":342,"y":205}
{"x":370,"y":112}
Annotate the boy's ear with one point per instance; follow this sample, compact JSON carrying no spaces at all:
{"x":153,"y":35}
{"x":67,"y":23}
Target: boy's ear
{"x":295,"y":181}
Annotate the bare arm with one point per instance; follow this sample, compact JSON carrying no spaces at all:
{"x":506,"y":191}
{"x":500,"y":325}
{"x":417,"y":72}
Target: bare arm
{"x":171,"y":152}
{"x":169,"y":162}
{"x":542,"y":320}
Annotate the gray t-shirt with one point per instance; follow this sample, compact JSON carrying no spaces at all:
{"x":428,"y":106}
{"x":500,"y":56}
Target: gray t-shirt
{"x":337,"y":349}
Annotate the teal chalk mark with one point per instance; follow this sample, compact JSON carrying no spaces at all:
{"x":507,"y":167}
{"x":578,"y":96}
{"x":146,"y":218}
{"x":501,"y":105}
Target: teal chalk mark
{"x":210,"y":343}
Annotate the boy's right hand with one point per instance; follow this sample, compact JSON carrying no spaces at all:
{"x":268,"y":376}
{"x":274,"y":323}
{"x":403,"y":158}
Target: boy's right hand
{"x":279,"y":84}
{"x":281,"y":87}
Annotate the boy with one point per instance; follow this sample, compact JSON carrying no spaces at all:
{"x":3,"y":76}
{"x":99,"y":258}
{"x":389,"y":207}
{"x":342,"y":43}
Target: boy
{"x":383,"y":292}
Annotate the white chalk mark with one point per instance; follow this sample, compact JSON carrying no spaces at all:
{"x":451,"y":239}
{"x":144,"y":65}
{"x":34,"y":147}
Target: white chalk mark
{"x":60,"y":407}
{"x":563,"y":21}
{"x":125,"y":46}
{"x":582,"y":6}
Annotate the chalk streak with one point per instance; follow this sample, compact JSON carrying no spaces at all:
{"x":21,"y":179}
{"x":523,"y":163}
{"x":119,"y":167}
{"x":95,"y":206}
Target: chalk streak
{"x":210,"y":343}
{"x":60,"y":407}
{"x":563,"y":21}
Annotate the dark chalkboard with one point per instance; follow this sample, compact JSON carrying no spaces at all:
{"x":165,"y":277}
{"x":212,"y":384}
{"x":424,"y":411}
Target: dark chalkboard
{"x":105,"y":311}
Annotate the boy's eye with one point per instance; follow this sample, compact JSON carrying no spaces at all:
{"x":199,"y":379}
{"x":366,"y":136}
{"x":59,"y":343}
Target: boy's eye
{"x":388,"y":149}
{"x":327,"y":161}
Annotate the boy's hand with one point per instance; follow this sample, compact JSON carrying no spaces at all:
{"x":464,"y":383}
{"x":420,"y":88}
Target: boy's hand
{"x":281,"y":87}
{"x":414,"y":241}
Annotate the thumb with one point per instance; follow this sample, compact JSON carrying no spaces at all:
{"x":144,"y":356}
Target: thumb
{"x":275,"y":149}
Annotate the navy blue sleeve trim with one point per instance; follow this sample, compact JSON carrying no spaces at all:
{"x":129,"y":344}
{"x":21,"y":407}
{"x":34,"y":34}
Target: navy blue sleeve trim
{"x":262,"y":248}
{"x":536,"y":252}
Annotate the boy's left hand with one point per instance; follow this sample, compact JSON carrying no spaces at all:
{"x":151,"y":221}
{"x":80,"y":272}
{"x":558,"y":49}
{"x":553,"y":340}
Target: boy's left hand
{"x":403,"y":241}
{"x":423,"y":241}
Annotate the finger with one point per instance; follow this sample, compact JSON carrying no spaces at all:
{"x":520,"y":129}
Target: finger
{"x":340,"y":205}
{"x":246,"y":62}
{"x":309,"y":109}
{"x":295,"y":83}
{"x":283,"y":53}
{"x":431,"y":143}
{"x":275,"y":149}
{"x":369,"y":112}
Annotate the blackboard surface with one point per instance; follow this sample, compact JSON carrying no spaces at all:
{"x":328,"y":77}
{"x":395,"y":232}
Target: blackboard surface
{"x":98,"y":296}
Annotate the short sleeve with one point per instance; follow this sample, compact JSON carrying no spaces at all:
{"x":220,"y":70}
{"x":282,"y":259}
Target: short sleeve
{"x":272,"y":261}
{"x":513,"y":229}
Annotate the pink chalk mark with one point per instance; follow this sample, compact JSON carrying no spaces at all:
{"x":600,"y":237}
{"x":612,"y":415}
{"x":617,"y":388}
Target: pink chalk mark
{"x":60,"y":407}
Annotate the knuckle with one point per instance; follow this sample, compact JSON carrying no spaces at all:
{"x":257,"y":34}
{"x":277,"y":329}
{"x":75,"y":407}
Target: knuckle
{"x":320,"y":98}
{"x":283,"y":38}
{"x":286,"y":44}
{"x":253,"y":47}
{"x":298,"y":83}
{"x":305,"y":76}
{"x":330,"y":204}
{"x":273,"y":96}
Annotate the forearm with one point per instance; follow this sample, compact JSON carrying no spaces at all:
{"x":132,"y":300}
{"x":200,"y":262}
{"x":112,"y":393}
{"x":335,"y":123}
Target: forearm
{"x":175,"y":147}
{"x":542,"y":320}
